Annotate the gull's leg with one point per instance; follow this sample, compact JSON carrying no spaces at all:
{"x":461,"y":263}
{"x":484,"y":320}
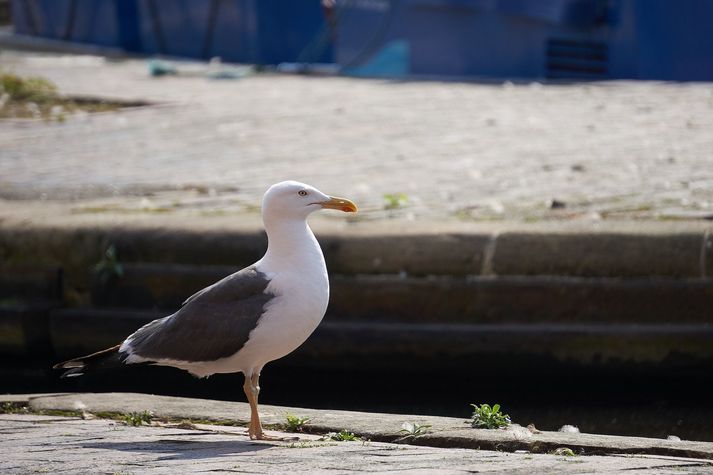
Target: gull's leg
{"x":255,"y":417}
{"x":252,"y":390}
{"x":251,"y":394}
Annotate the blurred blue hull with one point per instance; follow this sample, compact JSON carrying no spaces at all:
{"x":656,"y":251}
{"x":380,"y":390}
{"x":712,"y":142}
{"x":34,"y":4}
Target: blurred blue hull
{"x":535,"y":39}
{"x":247,"y":31}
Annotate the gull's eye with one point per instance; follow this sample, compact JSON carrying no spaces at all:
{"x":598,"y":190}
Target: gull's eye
{"x":302,"y":193}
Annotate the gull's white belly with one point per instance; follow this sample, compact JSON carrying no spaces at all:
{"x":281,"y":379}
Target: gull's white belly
{"x":281,"y":330}
{"x":289,"y":319}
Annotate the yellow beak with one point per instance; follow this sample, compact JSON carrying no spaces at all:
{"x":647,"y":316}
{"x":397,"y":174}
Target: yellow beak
{"x":341,"y":204}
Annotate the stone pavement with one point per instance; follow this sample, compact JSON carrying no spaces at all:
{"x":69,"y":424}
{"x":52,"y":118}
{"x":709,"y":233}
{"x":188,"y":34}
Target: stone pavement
{"x":446,"y":432}
{"x":462,"y":151}
{"x":54,"y":444}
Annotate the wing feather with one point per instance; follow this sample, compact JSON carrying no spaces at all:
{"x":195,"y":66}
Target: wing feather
{"x":213,"y":323}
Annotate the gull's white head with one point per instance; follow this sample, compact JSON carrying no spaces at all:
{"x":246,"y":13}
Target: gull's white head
{"x":292,"y":199}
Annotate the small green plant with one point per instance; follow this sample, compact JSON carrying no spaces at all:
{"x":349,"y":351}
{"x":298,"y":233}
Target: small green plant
{"x":138,"y":418}
{"x":295,"y":423}
{"x":395,"y":200}
{"x":414,"y":429}
{"x":486,"y":417}
{"x":342,"y":436}
{"x":109,"y":267}
{"x":564,"y":451}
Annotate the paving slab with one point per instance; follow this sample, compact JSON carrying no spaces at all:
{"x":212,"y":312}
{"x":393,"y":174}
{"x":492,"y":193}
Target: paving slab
{"x":462,"y":151}
{"x":445,"y":432}
{"x":41,"y":444}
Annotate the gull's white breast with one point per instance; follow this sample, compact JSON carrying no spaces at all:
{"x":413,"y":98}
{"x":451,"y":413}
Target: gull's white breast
{"x":301,"y":290}
{"x":289,"y":318}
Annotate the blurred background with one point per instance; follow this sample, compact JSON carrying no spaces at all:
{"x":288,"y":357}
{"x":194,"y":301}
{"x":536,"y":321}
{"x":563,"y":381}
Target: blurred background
{"x":535,"y":181}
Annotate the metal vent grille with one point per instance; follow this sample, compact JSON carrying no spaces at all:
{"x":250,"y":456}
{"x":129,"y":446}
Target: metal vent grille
{"x":576,"y":59}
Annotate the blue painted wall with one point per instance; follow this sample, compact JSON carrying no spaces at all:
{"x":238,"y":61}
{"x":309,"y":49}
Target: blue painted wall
{"x":253,"y":31}
{"x":83,"y":21}
{"x":570,"y":39}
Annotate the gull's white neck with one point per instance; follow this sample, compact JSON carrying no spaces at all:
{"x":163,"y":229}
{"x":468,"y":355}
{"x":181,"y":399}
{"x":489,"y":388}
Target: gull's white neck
{"x":291,"y":245}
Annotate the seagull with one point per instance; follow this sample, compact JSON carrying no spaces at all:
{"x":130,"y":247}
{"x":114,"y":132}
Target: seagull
{"x":242,"y":322}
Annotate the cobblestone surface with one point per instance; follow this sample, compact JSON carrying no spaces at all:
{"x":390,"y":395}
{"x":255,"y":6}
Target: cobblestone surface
{"x":49,"y":444}
{"x":456,"y":150}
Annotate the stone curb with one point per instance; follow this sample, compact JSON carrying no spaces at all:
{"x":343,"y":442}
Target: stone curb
{"x":607,"y":249}
{"x":444,"y":432}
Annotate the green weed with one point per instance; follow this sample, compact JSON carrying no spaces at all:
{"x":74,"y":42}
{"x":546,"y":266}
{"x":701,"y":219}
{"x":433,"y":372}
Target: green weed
{"x":109,"y":267}
{"x":295,"y":423}
{"x":414,"y":429}
{"x":138,"y":418}
{"x":395,"y":200}
{"x":486,"y":417}
{"x":342,"y":436}
{"x":564,"y":451}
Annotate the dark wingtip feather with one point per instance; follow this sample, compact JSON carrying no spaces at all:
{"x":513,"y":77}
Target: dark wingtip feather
{"x":72,"y":373}
{"x":69,"y":364}
{"x":105,"y":359}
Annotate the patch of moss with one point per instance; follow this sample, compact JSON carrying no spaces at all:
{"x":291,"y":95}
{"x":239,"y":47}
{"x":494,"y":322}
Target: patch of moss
{"x":34,"y":97}
{"x":214,"y":422}
{"x":14,"y":407}
{"x":57,"y":412}
{"x":33,"y":88}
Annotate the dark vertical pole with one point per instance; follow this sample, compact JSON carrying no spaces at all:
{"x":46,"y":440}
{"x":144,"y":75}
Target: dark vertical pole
{"x":71,"y":15}
{"x":210,"y":28}
{"x":156,"y":24}
{"x":30,"y":17}
{"x":128,"y":21}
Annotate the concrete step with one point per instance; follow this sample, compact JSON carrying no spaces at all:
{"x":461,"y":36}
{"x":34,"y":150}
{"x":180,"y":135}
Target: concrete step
{"x":620,"y":250}
{"x":28,"y":292}
{"x":575,"y":293}
{"x":523,"y":299}
{"x":342,"y":343}
{"x":25,"y":330}
{"x":451,"y":299}
{"x":24,"y":281}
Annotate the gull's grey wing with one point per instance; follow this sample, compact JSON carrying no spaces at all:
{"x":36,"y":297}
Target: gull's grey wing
{"x":213,"y":323}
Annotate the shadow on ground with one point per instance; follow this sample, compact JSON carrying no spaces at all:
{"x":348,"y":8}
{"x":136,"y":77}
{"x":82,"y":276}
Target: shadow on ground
{"x":176,"y":449}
